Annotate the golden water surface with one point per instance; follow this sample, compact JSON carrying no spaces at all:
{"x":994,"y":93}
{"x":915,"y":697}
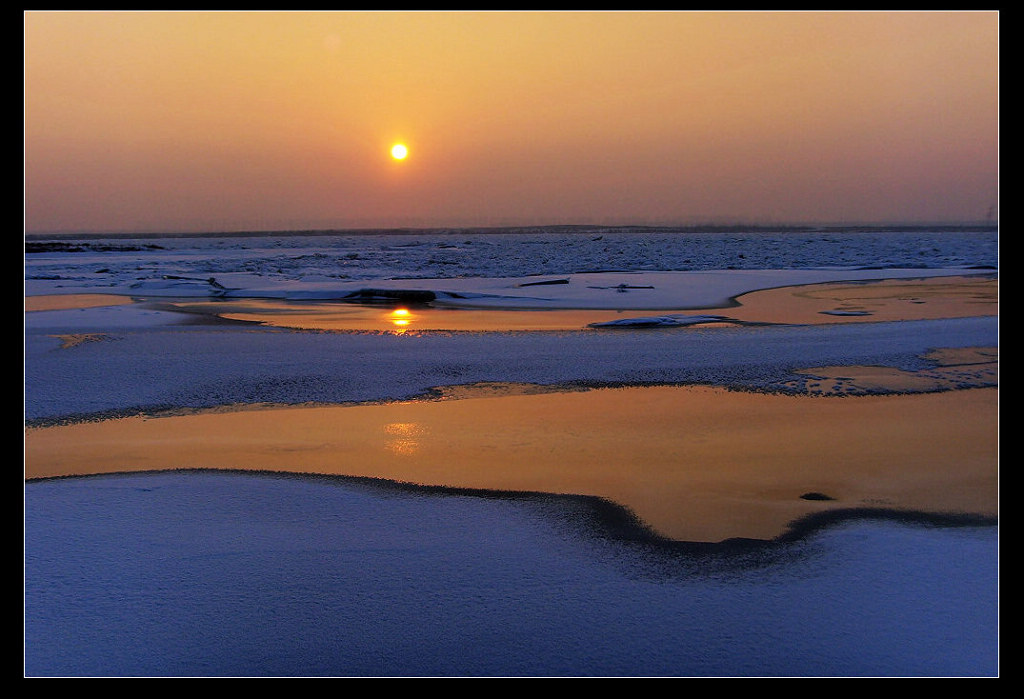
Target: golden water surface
{"x":695,"y":463}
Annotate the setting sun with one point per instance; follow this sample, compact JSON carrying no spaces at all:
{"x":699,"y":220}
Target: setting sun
{"x":399,"y":151}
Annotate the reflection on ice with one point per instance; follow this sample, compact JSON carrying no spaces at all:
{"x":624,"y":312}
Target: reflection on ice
{"x":693,"y":463}
{"x":403,"y":437}
{"x":400,"y":318}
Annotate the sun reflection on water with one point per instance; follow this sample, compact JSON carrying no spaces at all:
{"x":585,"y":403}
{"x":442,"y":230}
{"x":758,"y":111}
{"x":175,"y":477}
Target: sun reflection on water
{"x":403,"y":438}
{"x":401,"y":318}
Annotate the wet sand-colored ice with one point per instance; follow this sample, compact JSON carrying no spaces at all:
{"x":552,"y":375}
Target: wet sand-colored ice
{"x":694,"y":463}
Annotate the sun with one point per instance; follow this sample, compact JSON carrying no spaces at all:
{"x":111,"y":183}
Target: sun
{"x":399,"y":151}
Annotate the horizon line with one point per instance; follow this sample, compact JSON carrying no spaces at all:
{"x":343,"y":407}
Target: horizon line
{"x":440,"y":228}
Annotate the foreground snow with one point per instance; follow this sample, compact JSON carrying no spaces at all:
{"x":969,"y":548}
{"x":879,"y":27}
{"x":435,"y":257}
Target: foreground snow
{"x":231,"y":574}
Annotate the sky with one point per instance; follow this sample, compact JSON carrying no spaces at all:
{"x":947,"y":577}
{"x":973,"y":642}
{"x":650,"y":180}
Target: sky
{"x":225,"y":121}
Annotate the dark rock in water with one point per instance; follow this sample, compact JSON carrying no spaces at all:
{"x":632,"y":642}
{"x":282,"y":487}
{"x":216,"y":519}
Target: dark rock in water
{"x":406,"y":295}
{"x":816,"y":496}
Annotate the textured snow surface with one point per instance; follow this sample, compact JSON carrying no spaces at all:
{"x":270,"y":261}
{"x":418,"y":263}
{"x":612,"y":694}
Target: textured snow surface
{"x":206,"y":574}
{"x":232,"y":574}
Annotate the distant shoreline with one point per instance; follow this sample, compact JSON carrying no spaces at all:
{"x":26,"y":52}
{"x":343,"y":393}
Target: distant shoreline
{"x":592,"y":229}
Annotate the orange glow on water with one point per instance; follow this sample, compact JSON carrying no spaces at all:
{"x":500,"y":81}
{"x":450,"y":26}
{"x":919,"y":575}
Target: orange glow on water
{"x":403,"y":438}
{"x":695,"y":463}
{"x":400,"y":318}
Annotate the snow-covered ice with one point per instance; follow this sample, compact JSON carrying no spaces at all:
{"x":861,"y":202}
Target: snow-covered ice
{"x":249,"y":574}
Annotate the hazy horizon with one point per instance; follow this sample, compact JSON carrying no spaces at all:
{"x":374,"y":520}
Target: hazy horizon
{"x":204,"y":122}
{"x":710,"y":227}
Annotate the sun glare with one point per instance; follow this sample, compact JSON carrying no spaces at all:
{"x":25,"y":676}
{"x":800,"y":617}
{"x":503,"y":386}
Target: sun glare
{"x":400,"y":318}
{"x":399,"y":151}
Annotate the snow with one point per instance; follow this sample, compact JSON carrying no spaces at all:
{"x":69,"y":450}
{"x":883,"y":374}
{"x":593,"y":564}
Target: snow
{"x":248,"y":575}
{"x":232,"y":574}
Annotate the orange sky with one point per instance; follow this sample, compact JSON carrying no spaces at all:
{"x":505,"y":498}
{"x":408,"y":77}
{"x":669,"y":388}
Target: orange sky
{"x":189,"y":121}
